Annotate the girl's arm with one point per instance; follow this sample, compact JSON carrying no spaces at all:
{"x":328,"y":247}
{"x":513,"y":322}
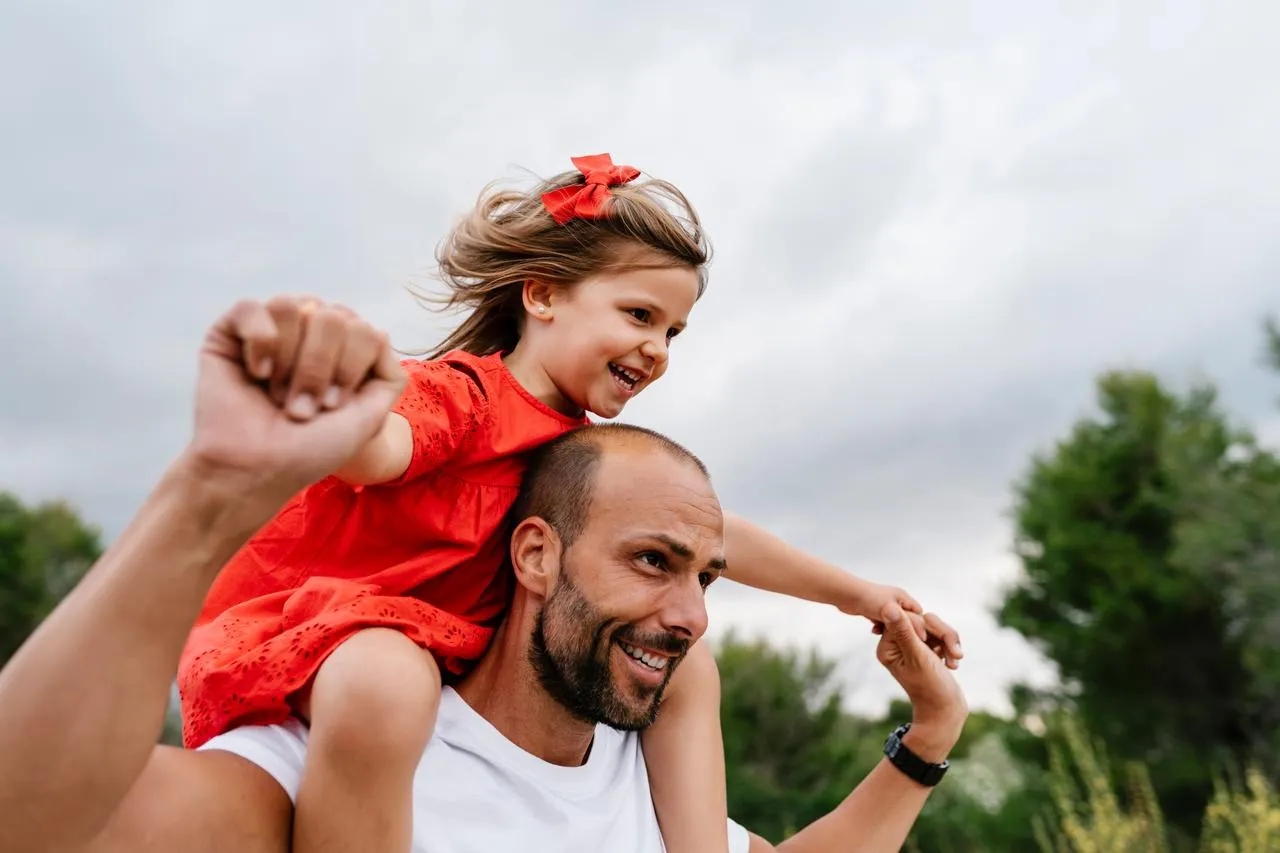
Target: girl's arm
{"x":684,"y":752}
{"x":383,"y":458}
{"x":757,"y":558}
{"x":442,"y":405}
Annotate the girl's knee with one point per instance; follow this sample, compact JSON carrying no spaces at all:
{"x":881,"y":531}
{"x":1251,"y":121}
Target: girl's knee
{"x":697,"y":678}
{"x":378,"y":689}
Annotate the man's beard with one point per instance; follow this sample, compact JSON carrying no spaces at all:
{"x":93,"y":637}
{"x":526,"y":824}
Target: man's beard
{"x":571,"y":648}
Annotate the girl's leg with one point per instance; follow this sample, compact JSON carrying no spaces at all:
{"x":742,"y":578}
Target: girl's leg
{"x":684,"y":751}
{"x":372,"y":708}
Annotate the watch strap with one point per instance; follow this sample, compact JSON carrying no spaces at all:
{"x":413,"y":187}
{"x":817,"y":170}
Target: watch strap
{"x":913,"y":766}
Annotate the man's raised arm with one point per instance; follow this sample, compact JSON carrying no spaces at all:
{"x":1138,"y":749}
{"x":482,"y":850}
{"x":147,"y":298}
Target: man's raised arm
{"x":877,"y":816}
{"x":82,"y":702}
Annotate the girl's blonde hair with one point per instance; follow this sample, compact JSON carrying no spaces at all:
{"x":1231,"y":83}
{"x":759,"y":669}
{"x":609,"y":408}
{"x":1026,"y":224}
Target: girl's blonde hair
{"x":510,"y":238}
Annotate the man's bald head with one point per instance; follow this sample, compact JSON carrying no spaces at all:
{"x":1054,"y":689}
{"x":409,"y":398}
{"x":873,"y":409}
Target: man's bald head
{"x":560,"y":481}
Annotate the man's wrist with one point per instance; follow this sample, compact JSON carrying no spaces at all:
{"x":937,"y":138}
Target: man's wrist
{"x":224,"y":504}
{"x":933,"y":740}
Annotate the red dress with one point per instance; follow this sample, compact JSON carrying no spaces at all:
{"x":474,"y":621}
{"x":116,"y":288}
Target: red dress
{"x":423,"y":554}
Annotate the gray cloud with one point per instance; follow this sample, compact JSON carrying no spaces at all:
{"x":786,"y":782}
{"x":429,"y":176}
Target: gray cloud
{"x":931,"y":233}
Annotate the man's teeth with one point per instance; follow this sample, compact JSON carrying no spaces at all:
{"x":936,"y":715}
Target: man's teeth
{"x":651,"y":661}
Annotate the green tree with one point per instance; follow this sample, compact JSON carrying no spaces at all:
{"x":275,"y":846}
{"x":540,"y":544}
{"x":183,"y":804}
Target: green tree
{"x":1122,"y":531}
{"x":792,"y":754}
{"x":1271,"y":329}
{"x":1229,"y":533}
{"x":44,"y":551}
{"x":990,"y":799}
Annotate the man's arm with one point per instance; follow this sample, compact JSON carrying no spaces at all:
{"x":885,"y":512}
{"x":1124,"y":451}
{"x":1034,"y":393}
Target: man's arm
{"x":83,"y":700}
{"x":878,"y":815}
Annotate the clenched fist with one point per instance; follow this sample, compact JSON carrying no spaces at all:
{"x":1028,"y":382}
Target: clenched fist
{"x":289,"y":390}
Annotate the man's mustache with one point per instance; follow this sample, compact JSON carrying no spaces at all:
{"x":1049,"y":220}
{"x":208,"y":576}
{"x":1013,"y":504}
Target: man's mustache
{"x":658,"y":641}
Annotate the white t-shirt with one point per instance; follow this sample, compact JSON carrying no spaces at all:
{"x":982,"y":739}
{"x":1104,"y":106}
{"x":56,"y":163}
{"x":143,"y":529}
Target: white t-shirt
{"x":476,"y":792}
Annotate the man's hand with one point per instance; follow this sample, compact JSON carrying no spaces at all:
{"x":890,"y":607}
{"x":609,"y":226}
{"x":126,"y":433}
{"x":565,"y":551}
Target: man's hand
{"x":287,"y":392}
{"x":871,"y":599}
{"x":938,"y":705}
{"x":878,"y":814}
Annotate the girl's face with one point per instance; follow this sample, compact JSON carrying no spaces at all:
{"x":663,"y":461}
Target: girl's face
{"x":606,"y":339}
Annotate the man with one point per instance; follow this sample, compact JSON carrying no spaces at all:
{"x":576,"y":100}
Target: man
{"x":618,"y":534}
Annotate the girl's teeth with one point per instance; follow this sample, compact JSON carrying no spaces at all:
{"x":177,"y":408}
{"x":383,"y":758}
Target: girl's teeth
{"x":623,"y":375}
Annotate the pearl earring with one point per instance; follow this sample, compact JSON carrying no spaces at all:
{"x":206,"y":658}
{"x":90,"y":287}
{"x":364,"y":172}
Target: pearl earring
{"x":542,"y":309}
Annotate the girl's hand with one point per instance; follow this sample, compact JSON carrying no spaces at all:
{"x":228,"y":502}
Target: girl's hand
{"x":871,"y":600}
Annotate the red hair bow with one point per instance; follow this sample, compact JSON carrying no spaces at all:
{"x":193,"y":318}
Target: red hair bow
{"x":587,"y":201}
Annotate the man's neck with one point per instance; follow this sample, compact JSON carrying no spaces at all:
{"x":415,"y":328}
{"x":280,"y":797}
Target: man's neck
{"x":504,"y":689}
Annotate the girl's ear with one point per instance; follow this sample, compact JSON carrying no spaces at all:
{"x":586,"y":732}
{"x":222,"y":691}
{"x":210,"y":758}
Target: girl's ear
{"x":537,"y":299}
{"x":535,"y":555}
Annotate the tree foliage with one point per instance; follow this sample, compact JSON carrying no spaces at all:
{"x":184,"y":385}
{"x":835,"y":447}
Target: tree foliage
{"x":1150,"y":544}
{"x":793,"y":753}
{"x":44,"y":551}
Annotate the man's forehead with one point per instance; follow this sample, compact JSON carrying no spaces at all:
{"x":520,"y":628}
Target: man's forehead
{"x":649,"y":486}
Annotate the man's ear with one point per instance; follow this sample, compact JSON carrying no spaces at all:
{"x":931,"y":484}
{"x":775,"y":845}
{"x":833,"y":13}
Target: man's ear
{"x":535,"y":555}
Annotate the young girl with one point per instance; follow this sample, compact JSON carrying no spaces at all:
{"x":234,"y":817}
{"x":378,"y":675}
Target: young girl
{"x":576,"y":292}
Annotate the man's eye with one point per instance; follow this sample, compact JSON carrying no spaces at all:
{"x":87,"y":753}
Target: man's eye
{"x":705,"y":579}
{"x":654,"y":559}
{"x":640,"y":314}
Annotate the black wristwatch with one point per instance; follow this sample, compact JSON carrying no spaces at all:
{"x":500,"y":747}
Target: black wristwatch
{"x":915,"y":767}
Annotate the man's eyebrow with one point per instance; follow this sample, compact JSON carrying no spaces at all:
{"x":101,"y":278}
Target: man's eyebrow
{"x":684,"y":552}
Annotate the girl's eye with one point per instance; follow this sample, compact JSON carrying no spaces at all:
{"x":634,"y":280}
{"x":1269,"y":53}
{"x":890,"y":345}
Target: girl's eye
{"x":671,"y":333}
{"x":640,"y":314}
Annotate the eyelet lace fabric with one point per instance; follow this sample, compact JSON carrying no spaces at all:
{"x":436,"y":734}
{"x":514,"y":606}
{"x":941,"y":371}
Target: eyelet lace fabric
{"x":424,"y":554}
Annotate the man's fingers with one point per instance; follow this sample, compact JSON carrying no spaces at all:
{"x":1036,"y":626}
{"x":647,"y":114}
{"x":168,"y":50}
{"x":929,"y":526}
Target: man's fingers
{"x":918,"y":625}
{"x":374,"y":398}
{"x":361,"y":354}
{"x":314,"y":370}
{"x":387,"y":367}
{"x":287,"y":313}
{"x":896,"y":623}
{"x":246,"y":334}
{"x":947,"y":637}
{"x":903,"y":631}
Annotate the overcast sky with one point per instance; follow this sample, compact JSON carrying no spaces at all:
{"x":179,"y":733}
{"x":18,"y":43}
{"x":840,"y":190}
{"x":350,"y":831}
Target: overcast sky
{"x":934,"y":225}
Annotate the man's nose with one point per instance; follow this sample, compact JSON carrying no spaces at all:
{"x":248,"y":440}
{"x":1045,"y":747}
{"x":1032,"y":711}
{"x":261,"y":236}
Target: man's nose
{"x":685,"y":609}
